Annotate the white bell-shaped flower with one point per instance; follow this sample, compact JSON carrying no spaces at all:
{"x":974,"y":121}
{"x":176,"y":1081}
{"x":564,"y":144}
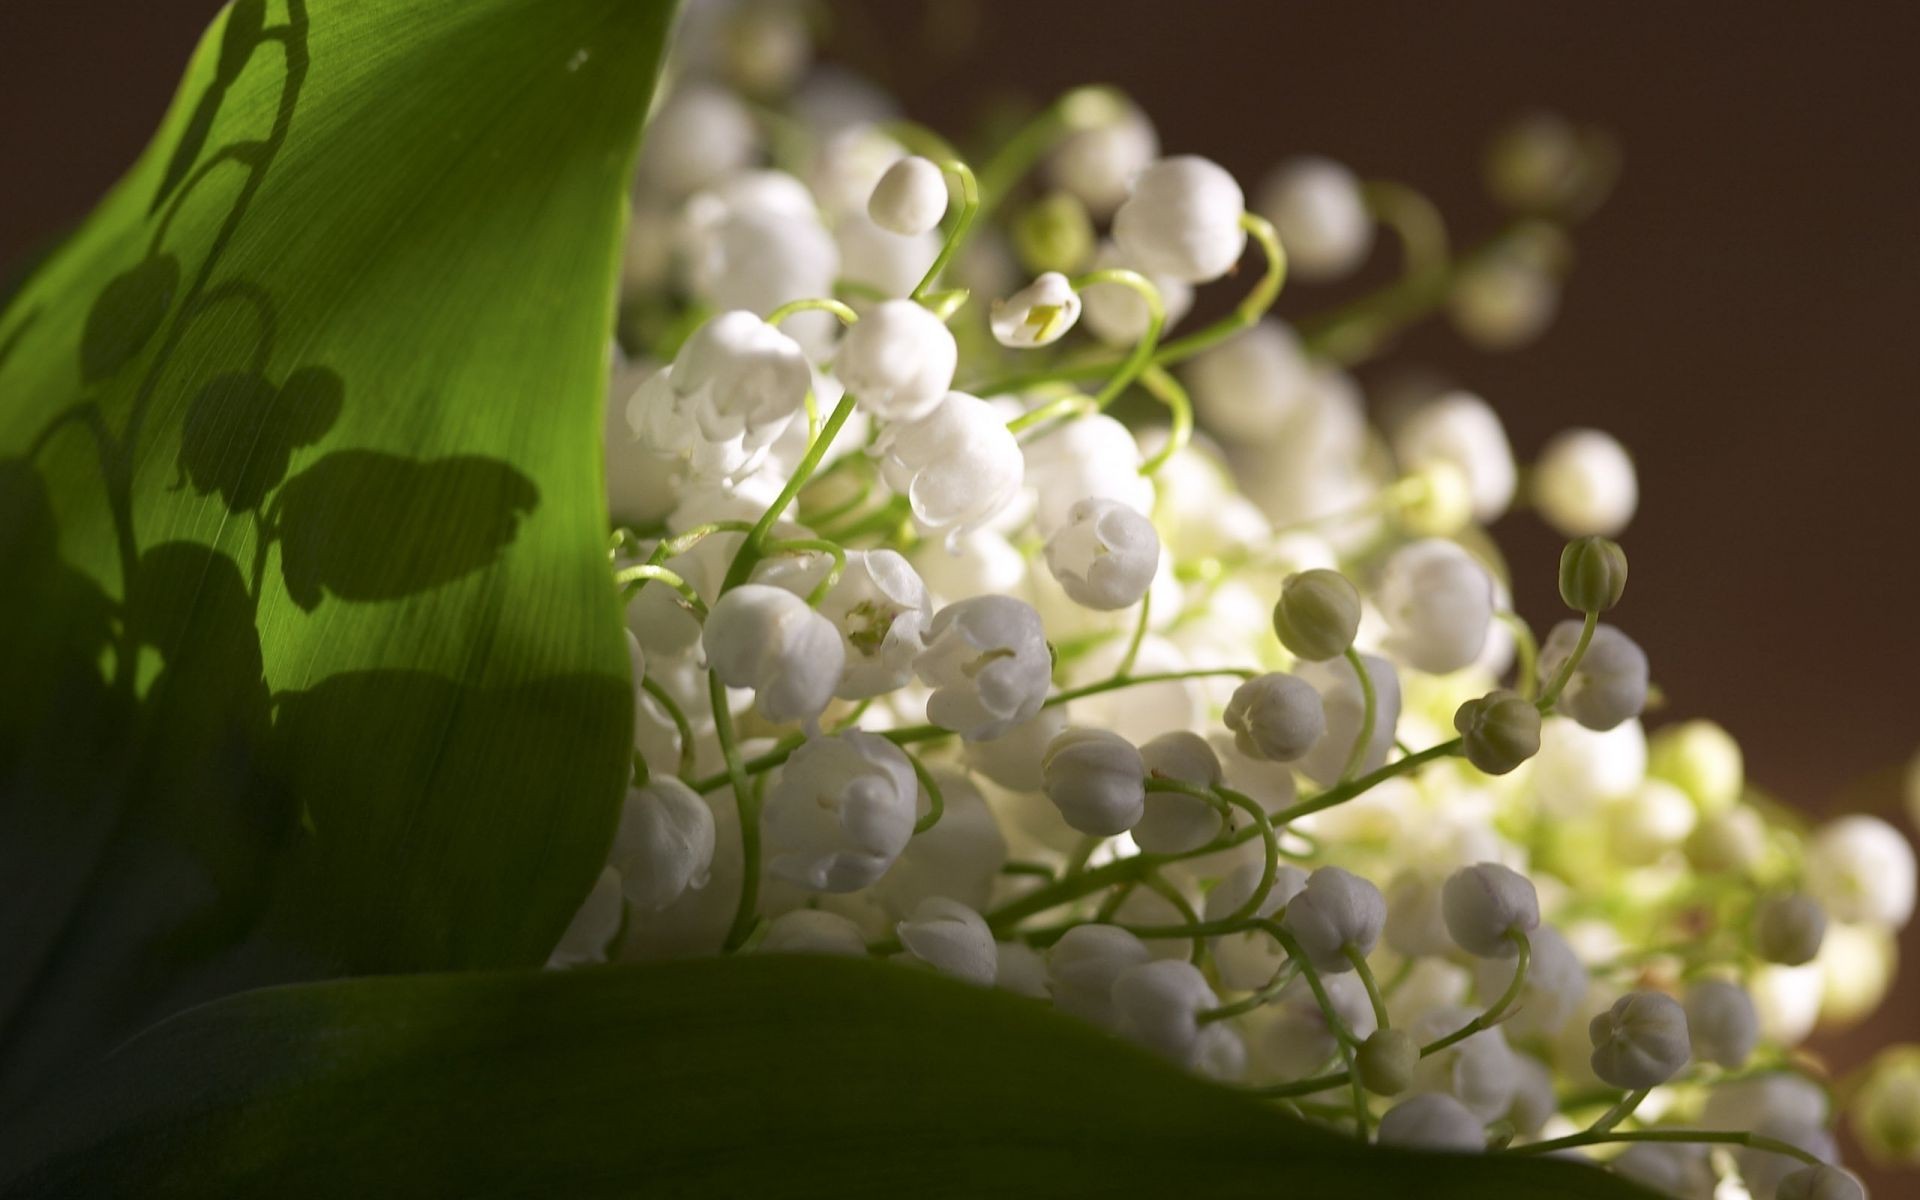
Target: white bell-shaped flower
{"x":1083,"y":965}
{"x":1318,"y":210}
{"x":1668,"y":1168}
{"x":1640,"y":1042}
{"x":1098,"y":164}
{"x":1336,"y":912}
{"x":1249,"y":959}
{"x":1438,"y":603}
{"x":1416,"y":922}
{"x":699,"y":134}
{"x":595,"y":924}
{"x":1345,"y":706}
{"x":851,"y":160}
{"x":1255,"y":385}
{"x":1158,"y":1005}
{"x":1105,"y":556}
{"x":1485,"y":905}
{"x":1014,"y":759}
{"x":1432,"y":1121}
{"x":1481,"y":1071}
{"x":1460,"y":430}
{"x":664,"y":845}
{"x":987,"y":663}
{"x":841,"y":812}
{"x":664,"y":427}
{"x":1089,"y":457}
{"x":898,"y":360}
{"x":1722,"y":1023}
{"x":879,"y":605}
{"x":1298,"y":1040}
{"x":959,"y":858}
{"x":958,"y":466}
{"x":742,"y":377}
{"x":758,"y":247}
{"x":813,"y":931}
{"x":1039,"y":314}
{"x":1276,"y":717}
{"x":1117,"y":314}
{"x":1584,"y":484}
{"x":1097,"y":780}
{"x":1173,"y":823}
{"x":766,"y":638}
{"x":1822,"y":1182}
{"x":892,"y":264}
{"x":1861,"y":869}
{"x":910,"y":197}
{"x":1182,"y":218}
{"x":1610,"y":684}
{"x":951,"y":938}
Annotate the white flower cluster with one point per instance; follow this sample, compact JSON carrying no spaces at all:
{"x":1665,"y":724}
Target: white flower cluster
{"x":1225,"y":738}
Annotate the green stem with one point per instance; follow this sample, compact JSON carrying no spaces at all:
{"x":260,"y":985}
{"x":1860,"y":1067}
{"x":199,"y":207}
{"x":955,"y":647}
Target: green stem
{"x":749,"y":552}
{"x":1079,"y":109}
{"x":1709,"y":1137}
{"x":1074,"y":405}
{"x":969,"y":206}
{"x":845,"y":314}
{"x":1139,"y":635}
{"x":1168,"y":391}
{"x":640,"y":575}
{"x":1365,"y":972}
{"x":1491,"y":1017}
{"x":1142,"y":353}
{"x":1253,"y":1000}
{"x":1414,"y":220}
{"x":819,"y":546}
{"x":1619,"y":1112}
{"x":747,"y":803}
{"x":1565,"y":674}
{"x":1526,"y":654}
{"x":1358,"y":754}
{"x":1341,"y":793}
{"x":936,"y":802}
{"x":681,"y":725}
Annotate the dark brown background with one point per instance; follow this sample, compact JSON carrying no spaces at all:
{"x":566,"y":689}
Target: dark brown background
{"x":1741,"y":315}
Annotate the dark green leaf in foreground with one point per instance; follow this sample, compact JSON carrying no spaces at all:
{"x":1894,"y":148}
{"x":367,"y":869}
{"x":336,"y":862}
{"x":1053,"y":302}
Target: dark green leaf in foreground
{"x":764,"y":1076}
{"x":308,"y":665}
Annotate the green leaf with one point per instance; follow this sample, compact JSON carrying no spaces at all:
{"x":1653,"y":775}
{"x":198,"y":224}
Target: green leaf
{"x":768,"y":1076}
{"x":311,"y":667}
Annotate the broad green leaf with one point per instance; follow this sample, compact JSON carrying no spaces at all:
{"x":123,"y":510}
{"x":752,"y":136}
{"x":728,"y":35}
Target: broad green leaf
{"x":768,"y":1076}
{"x":308,"y":662}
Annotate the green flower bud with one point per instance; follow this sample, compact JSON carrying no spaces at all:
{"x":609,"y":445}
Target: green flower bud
{"x":1789,"y":928}
{"x":1886,"y":1110}
{"x":1053,"y":234}
{"x":1500,"y":731}
{"x":1317,"y":615}
{"x":1593,"y":574}
{"x":1386,"y":1061}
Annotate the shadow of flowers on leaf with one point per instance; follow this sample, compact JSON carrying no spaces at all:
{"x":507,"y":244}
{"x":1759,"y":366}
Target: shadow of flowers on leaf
{"x":328,"y":515}
{"x":241,"y":431}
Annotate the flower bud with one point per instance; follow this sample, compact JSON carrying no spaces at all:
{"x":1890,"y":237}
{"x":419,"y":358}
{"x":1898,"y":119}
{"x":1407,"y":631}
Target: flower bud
{"x":1386,"y":1061}
{"x":841,"y":812}
{"x":1438,"y":603}
{"x":1432,"y":1121}
{"x":1099,"y":161}
{"x":1608,"y":687}
{"x":1485,"y":904}
{"x":1335,"y":912}
{"x":1499,"y":731}
{"x":813,"y":931}
{"x":1097,"y":780}
{"x":1317,"y":208}
{"x":910,"y":198}
{"x":1276,"y":717}
{"x":1788,"y":929}
{"x":1053,"y":234}
{"x":1182,"y":218}
{"x":1640,"y":1042}
{"x":1462,"y":430}
{"x":768,"y":639}
{"x":1175,"y":824}
{"x":1823,"y":1182}
{"x":899,"y":360}
{"x":664,"y":845}
{"x":1082,"y":967}
{"x":1039,"y":314}
{"x":951,"y":938}
{"x":1861,"y":869}
{"x":1158,"y":1005}
{"x":1317,"y":614}
{"x":988,"y":665}
{"x":1722,"y":1023}
{"x":1503,"y":301}
{"x":1593,"y":574}
{"x":1885,"y":1112}
{"x":1105,"y":556}
{"x":1583,"y":484}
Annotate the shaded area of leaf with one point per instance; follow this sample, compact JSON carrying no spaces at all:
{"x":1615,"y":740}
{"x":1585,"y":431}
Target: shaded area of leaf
{"x":771,"y":1076}
{"x":327,"y":516}
{"x":126,"y":314}
{"x":241,"y":431}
